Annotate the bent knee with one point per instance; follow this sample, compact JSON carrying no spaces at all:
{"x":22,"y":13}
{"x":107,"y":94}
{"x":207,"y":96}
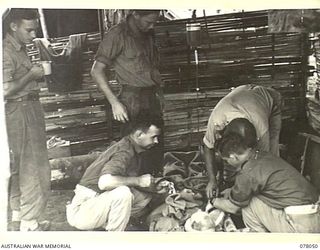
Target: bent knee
{"x":122,"y":192}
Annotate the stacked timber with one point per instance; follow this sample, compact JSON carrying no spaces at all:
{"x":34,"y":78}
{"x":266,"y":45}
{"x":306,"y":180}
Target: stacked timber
{"x":313,"y":112}
{"x":81,"y":117}
{"x":313,"y":99}
{"x":235,"y":49}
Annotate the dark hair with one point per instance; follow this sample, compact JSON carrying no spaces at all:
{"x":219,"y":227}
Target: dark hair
{"x":16,"y":15}
{"x":143,"y":12}
{"x":244,"y":128}
{"x":143,"y":121}
{"x":231,"y":143}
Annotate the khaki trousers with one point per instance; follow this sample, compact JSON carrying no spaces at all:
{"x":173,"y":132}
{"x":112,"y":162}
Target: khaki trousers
{"x":262,"y":218}
{"x":111,"y":209}
{"x":29,"y":186}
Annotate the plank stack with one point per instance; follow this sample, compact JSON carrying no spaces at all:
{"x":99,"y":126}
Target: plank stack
{"x":235,"y":49}
{"x":313,"y":97}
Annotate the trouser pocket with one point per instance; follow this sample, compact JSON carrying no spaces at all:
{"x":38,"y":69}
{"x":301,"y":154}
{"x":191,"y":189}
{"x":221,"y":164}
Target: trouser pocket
{"x":304,"y":219}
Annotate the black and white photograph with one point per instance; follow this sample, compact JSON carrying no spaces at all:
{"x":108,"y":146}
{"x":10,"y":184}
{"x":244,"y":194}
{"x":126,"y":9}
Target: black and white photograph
{"x":158,"y":123}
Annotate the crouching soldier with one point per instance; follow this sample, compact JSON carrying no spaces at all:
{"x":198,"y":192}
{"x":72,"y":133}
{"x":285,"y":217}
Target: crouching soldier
{"x":108,"y":194}
{"x":273,"y":195}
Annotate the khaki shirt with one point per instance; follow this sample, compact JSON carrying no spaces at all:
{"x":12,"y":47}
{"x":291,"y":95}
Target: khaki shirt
{"x":133,"y":56}
{"x":260,"y":105}
{"x":121,"y":159}
{"x":16,"y":64}
{"x":273,"y":181}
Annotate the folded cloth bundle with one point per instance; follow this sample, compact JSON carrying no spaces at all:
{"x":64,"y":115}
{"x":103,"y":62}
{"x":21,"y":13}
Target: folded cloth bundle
{"x":165,"y":224}
{"x":180,"y":204}
{"x":56,"y":141}
{"x":203,"y":221}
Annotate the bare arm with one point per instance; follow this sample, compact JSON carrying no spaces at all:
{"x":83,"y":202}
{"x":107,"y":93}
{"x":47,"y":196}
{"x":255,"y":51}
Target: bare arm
{"x":109,"y":182}
{"x":12,"y":87}
{"x":225,"y":205}
{"x":275,"y":122}
{"x":98,"y":75}
{"x":209,"y":158}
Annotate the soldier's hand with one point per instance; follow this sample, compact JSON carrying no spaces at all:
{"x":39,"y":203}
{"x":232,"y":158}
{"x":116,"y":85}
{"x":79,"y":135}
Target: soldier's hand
{"x":162,"y":187}
{"x":37,"y":71}
{"x":120,"y":112}
{"x":145,"y":180}
{"x":211,"y":189}
{"x":225,"y":193}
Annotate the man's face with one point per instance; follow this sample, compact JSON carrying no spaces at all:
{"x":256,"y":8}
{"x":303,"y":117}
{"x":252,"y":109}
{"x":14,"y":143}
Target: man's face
{"x":147,"y":140}
{"x":25,"y":30}
{"x":237,"y":160}
{"x":146,"y":23}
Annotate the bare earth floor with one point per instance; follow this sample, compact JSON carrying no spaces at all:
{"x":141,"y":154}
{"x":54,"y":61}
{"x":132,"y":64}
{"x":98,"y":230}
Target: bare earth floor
{"x":56,"y":210}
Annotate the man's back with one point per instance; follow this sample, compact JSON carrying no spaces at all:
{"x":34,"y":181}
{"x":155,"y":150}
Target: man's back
{"x":274,"y":181}
{"x":253,"y":103}
{"x":260,"y":105}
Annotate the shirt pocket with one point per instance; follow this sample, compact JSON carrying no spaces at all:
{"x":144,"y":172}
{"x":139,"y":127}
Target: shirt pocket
{"x":22,"y":69}
{"x":134,"y":60}
{"x":11,"y":107}
{"x":8,"y":72}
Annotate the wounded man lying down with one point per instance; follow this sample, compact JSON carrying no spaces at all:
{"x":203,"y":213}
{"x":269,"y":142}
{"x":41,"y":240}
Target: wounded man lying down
{"x":272,"y":195}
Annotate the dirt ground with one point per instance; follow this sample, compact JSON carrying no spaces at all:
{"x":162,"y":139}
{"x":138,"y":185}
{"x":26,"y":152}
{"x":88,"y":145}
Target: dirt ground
{"x":56,"y":210}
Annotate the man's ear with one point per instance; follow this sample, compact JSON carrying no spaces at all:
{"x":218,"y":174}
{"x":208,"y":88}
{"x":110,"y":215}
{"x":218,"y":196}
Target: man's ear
{"x":138,"y":133}
{"x":13,"y":26}
{"x":233,"y":156}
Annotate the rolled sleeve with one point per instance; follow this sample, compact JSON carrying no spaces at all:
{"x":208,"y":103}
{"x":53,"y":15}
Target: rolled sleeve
{"x":209,"y":137}
{"x":244,"y":189}
{"x":275,"y":122}
{"x":264,"y":142}
{"x":8,"y":68}
{"x":118,"y":164}
{"x":277,"y":102}
{"x":207,"y":142}
{"x":110,"y":47}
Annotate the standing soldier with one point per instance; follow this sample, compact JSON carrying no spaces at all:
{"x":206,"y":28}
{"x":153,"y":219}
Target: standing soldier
{"x":30,"y":169}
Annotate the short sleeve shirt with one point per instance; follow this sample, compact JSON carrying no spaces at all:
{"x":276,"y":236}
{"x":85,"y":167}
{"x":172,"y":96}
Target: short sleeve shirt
{"x":133,"y":57}
{"x":273,"y":181}
{"x":16,"y":64}
{"x":255,"y":103}
{"x":121,"y":159}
